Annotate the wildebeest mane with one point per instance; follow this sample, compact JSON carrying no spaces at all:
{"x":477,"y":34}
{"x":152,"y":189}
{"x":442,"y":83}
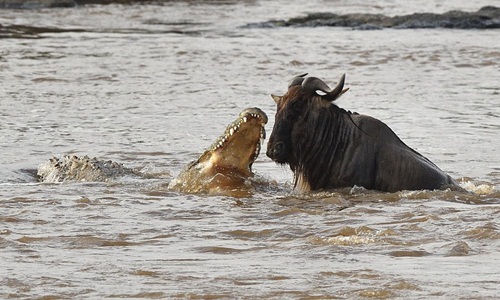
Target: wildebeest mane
{"x":327,"y":136}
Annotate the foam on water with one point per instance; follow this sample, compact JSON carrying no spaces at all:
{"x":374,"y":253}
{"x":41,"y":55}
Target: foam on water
{"x":481,"y":189}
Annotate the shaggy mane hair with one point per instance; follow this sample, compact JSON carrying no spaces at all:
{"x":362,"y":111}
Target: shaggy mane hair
{"x":323,"y":142}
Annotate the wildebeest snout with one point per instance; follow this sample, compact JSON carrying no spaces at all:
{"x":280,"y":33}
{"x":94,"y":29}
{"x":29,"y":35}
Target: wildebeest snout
{"x":276,"y":151}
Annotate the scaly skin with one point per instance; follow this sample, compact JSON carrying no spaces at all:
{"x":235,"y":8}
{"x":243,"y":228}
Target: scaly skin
{"x":227,"y":164}
{"x":224,"y":168}
{"x":80,"y":168}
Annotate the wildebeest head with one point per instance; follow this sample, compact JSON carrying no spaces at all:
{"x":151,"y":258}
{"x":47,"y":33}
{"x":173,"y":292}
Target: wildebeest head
{"x":300,"y":116}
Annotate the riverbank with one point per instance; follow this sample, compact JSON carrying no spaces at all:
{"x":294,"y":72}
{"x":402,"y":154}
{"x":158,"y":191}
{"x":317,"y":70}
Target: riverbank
{"x":33,"y":4}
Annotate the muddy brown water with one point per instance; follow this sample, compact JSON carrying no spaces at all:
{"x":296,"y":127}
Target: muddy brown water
{"x":152,"y":86}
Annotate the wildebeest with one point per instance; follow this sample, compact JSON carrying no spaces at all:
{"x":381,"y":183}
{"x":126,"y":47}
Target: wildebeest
{"x":328,"y":147}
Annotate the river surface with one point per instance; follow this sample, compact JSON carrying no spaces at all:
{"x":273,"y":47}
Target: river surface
{"x":151,"y":86}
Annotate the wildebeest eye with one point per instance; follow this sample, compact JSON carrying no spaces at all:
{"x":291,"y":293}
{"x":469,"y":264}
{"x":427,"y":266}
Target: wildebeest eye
{"x":296,"y":105}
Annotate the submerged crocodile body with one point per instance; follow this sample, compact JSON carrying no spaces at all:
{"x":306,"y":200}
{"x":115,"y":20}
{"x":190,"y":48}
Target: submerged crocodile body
{"x":80,"y":168}
{"x":226,"y":166}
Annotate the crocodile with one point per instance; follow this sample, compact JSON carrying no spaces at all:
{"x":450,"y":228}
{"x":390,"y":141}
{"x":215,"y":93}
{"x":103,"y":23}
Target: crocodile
{"x":225,"y":168}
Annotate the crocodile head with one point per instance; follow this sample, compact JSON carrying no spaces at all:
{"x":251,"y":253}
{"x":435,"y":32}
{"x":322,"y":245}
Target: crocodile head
{"x":228,"y":161}
{"x":238,"y":147}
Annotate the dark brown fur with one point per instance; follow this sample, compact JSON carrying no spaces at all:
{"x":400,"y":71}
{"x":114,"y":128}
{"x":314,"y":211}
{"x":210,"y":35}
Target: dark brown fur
{"x":328,"y":147}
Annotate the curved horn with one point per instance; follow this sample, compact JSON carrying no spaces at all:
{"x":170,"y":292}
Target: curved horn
{"x":338,"y":90}
{"x":297,"y":80}
{"x":312,"y":84}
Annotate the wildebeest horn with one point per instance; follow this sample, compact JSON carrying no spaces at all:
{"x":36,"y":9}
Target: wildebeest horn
{"x":297,"y":80}
{"x":312,"y":84}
